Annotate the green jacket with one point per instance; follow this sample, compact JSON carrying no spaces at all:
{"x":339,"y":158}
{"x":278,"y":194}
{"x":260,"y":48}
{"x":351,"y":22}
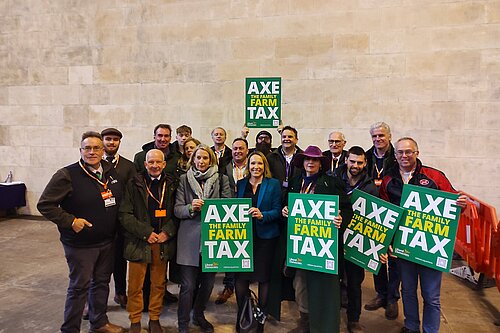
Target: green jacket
{"x":323,"y":289}
{"x":171,"y":159}
{"x":135,"y":219}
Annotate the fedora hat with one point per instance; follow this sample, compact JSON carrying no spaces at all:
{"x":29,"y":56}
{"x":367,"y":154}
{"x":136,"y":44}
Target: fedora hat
{"x":314,"y":152}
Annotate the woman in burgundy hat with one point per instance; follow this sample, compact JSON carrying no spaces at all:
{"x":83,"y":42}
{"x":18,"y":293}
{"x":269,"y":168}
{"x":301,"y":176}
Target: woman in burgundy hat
{"x":318,"y":293}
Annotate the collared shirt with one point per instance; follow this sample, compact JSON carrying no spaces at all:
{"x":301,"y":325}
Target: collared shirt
{"x":219,"y":153}
{"x":153,"y":178}
{"x":113,"y":158}
{"x":99,"y":169}
{"x":238,"y":172}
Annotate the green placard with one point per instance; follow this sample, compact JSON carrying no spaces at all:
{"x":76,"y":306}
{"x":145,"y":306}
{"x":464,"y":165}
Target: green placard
{"x":312,"y":238}
{"x":426,"y":233}
{"x":370,"y":230}
{"x":263,"y":102}
{"x":226,"y":235}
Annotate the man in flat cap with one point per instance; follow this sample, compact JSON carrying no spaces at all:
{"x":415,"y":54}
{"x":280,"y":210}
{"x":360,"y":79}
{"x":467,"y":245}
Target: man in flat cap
{"x":125,"y":169}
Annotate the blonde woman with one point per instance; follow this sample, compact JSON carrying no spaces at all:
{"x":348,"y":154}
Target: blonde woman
{"x":265,"y":193}
{"x":201,"y":181}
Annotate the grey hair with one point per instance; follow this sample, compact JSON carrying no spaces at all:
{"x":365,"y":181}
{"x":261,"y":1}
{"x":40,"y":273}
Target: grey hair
{"x":380,"y":124}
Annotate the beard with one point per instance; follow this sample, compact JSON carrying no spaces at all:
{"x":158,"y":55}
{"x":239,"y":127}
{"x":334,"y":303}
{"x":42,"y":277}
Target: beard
{"x":355,"y":172}
{"x":263,"y":147}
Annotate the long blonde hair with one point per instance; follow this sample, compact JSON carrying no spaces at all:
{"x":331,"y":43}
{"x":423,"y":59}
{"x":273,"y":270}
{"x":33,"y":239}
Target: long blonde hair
{"x":267,"y":170}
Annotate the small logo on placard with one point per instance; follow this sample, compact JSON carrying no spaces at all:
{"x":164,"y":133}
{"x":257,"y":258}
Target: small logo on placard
{"x":424,"y":182}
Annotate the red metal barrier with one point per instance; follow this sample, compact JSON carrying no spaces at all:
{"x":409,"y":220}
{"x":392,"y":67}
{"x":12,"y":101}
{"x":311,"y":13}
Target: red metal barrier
{"x":478,"y":238}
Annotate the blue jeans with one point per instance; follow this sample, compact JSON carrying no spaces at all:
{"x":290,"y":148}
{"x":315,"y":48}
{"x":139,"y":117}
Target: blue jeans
{"x":89,"y":275}
{"x":387,"y":282}
{"x":430,"y":287}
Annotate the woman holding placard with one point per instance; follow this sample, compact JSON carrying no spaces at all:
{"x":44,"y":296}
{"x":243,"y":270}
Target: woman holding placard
{"x":201,"y":181}
{"x":265,"y":193}
{"x":318,"y":294}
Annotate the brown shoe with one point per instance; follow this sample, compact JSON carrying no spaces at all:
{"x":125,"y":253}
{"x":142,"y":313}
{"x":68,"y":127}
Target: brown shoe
{"x":155,"y":327}
{"x":135,"y":328}
{"x":224,"y":296}
{"x":392,"y":311}
{"x":121,"y":300}
{"x":108,"y":328}
{"x":375,"y":304}
{"x":354,"y":327}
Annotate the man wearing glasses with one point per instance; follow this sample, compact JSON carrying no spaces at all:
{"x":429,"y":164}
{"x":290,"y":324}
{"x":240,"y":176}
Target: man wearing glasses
{"x":82,"y":199}
{"x":410,"y":170}
{"x":336,"y":154}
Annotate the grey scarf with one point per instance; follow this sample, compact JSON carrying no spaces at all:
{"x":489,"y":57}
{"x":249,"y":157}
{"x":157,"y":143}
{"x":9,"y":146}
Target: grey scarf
{"x":194,"y":177}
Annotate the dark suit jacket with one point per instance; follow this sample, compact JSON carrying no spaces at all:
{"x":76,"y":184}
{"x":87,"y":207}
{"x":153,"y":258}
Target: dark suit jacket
{"x":125,"y":169}
{"x":341,"y":160}
{"x":269,"y":203}
{"x":225,"y":159}
{"x":228,"y":171}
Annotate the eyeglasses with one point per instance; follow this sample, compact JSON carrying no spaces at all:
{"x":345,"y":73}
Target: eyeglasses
{"x":400,"y":153}
{"x":335,"y":142}
{"x":89,"y":149}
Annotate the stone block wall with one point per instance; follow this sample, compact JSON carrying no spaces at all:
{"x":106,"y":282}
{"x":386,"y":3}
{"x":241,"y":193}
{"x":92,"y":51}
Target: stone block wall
{"x":429,"y":68}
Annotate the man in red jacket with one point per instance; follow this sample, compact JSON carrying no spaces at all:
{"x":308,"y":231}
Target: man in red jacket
{"x":410,"y":170}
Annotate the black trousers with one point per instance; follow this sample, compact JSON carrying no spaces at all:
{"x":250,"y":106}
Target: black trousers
{"x":355,"y":276}
{"x":120,"y":267}
{"x":89,"y":275}
{"x":192,"y":278}
{"x":387,"y":282}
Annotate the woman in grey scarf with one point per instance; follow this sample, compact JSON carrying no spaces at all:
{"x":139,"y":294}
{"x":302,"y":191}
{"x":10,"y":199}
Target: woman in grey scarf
{"x":201,"y":181}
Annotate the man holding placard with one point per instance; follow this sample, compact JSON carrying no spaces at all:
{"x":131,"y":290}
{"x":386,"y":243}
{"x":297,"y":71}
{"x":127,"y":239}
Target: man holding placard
{"x":426,"y":228}
{"x":355,"y":177}
{"x":379,"y":159}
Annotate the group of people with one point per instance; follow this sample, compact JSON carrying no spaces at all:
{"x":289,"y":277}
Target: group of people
{"x":110,"y":211}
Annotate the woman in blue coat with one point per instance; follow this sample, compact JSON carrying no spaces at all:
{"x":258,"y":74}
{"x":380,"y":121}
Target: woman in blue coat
{"x":265,"y":193}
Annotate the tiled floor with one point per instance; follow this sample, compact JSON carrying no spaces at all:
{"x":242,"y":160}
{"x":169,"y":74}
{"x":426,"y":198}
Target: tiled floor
{"x":33,"y":282}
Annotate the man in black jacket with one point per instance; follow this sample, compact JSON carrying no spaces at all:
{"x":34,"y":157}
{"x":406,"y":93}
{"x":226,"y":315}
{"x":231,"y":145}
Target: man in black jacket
{"x":111,"y":138}
{"x":281,"y":159}
{"x":221,"y":150}
{"x":162,"y":137}
{"x":380,"y":159}
{"x":354,"y":175}
{"x":336,"y":154}
{"x":82,"y":199}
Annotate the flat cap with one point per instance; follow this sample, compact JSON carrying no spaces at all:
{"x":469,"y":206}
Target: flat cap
{"x":111,"y":131}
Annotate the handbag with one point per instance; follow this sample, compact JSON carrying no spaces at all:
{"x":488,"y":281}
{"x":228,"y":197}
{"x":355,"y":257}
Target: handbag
{"x":251,"y":314}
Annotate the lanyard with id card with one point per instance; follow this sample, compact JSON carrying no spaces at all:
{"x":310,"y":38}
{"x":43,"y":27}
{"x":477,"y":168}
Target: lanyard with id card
{"x":109,"y":199}
{"x":158,"y":212}
{"x":107,"y":195}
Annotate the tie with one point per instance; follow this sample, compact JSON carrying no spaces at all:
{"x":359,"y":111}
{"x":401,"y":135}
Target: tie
{"x":110,"y":159}
{"x":98,"y":175}
{"x":334,"y":164}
